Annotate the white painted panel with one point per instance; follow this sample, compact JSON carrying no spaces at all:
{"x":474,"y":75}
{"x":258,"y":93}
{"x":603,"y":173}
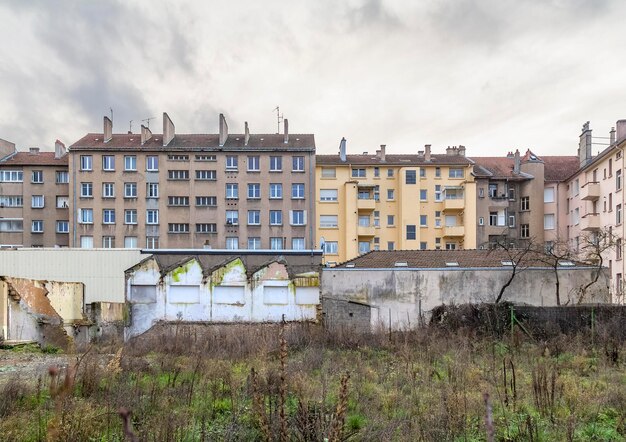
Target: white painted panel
{"x":142,"y":294}
{"x":228,"y":294}
{"x":307,"y":295}
{"x":275,"y":295}
{"x":183,"y":294}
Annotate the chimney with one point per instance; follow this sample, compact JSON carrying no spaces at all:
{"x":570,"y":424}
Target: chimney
{"x":383,"y":147}
{"x":6,"y":148}
{"x":108,"y":129}
{"x":516,"y":163}
{"x":342,"y":150}
{"x":247,"y":134}
{"x":223,"y":130}
{"x":612,"y":136}
{"x":146,"y":134}
{"x":59,"y":149}
{"x":621,"y":131}
{"x":461,"y":150}
{"x":449,"y":150}
{"x":33,"y":150}
{"x":168,"y":129}
{"x":427,"y":152}
{"x":584,"y":145}
{"x":286,"y":126}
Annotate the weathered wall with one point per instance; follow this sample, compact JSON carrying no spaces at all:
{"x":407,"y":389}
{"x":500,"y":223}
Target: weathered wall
{"x":341,"y":314}
{"x":4,"y":308}
{"x":404,"y":295}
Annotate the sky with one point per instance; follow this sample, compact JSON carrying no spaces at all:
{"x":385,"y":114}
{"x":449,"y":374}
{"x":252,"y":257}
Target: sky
{"x":492,"y":75}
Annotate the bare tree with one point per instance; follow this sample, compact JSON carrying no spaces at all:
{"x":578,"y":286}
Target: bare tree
{"x":517,"y":259}
{"x":593,"y":249}
{"x":553,"y":256}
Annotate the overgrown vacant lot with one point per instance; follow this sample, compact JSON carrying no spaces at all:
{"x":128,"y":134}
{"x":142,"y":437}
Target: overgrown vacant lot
{"x":247,"y":383}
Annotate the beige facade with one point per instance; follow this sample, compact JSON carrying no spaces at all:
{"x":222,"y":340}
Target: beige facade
{"x":224,"y":191}
{"x":34,"y":198}
{"x":393,"y":202}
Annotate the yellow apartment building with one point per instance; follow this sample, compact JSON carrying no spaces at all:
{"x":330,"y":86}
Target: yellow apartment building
{"x":394,"y":202}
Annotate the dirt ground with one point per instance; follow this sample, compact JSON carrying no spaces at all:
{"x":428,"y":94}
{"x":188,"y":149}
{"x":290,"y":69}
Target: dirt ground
{"x":30,"y":365}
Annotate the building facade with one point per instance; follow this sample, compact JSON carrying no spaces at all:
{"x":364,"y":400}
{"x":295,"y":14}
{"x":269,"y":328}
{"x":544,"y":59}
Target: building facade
{"x":223,"y":191}
{"x":34,"y":197}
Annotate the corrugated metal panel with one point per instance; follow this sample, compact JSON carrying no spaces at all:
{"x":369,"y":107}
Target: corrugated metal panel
{"x":100,"y":270}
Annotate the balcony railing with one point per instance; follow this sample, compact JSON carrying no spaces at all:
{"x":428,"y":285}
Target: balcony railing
{"x":591,"y":221}
{"x":590,"y":191}
{"x":453,"y":231}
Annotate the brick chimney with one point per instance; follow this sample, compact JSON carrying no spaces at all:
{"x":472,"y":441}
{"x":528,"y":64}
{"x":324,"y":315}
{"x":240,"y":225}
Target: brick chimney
{"x":584,"y":145}
{"x":342,"y":150}
{"x":146,"y":134}
{"x":168,"y":129}
{"x":621,"y":131}
{"x":223,"y":130}
{"x":461,"y":150}
{"x":59,"y":149}
{"x":108,"y":129}
{"x":449,"y":150}
{"x":246,"y":138}
{"x":427,"y":152}
{"x":516,"y":162}
{"x":286,"y":126}
{"x":383,"y":148}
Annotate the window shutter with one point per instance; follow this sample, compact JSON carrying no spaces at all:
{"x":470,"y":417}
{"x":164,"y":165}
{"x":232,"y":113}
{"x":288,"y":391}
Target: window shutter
{"x":291,"y":217}
{"x":304,"y":217}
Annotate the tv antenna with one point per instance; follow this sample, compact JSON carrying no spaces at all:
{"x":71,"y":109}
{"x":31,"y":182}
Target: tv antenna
{"x":279,"y":118}
{"x":147,"y":121}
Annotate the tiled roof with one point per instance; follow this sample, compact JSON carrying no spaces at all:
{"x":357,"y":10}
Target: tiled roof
{"x":559,"y":168}
{"x":496,"y":167}
{"x":34,"y":159}
{"x":393,"y":160}
{"x":556,"y":168}
{"x":429,"y":259}
{"x":276,"y":142}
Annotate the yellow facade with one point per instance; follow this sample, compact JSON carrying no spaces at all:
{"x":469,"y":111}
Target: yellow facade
{"x":363,"y":204}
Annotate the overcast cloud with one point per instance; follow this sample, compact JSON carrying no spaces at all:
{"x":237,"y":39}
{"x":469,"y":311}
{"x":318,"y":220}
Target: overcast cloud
{"x":492,"y":75}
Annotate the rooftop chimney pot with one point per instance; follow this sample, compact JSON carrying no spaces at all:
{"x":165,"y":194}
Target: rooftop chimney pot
{"x":517,"y":162}
{"x":427,"y":152}
{"x":146,"y":134}
{"x":223,"y":130}
{"x":383,"y":152}
{"x":59,"y":149}
{"x":168,"y":129}
{"x":247,"y":134}
{"x":34,"y":150}
{"x":286,"y":126}
{"x":342,"y":150}
{"x":108,"y":129}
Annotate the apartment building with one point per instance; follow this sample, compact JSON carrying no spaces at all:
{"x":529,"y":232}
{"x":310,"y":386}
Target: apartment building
{"x":387,"y":202}
{"x":34,"y":197}
{"x":595,"y":202}
{"x":169,"y":190}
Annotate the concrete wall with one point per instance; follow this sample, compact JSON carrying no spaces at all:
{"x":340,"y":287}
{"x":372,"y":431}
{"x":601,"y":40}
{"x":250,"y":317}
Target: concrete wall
{"x":403,"y":296}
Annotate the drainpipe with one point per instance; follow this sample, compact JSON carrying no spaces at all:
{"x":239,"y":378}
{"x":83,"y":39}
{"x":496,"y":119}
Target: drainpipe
{"x":73,"y":200}
{"x":311,"y":220}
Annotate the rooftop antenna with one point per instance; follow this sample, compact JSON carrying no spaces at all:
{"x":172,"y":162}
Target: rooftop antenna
{"x":147,"y":121}
{"x":279,"y":118}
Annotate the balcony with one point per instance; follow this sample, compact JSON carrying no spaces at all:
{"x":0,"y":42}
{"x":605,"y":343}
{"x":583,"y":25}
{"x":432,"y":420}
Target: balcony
{"x":366,"y":203}
{"x":365,"y":231}
{"x":590,"y":191}
{"x":591,"y":221}
{"x":451,"y":231}
{"x":451,"y":204}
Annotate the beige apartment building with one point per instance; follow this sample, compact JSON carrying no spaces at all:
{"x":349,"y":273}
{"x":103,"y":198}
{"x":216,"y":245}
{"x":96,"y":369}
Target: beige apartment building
{"x":34,"y":197}
{"x":169,"y":190}
{"x":394,"y":202}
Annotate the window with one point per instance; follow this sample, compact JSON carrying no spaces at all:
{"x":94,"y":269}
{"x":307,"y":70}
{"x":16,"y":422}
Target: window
{"x":610,"y":202}
{"x":329,"y":172}
{"x":254,"y":164}
{"x":390,"y":220}
{"x":548,"y":195}
{"x":63,"y":202}
{"x":297,"y":243}
{"x":364,"y":247}
{"x":422,"y":172}
{"x":525,"y":230}
{"x":610,"y":167}
{"x":130,"y":216}
{"x":86,"y":162}
{"x":232,"y":242}
{"x":37,"y":201}
{"x":232,"y":191}
{"x":576,"y":216}
{"x":86,"y":242}
{"x":328,"y":194}
{"x":254,"y":243}
{"x":63,"y":226}
{"x":455,"y":173}
{"x":411,"y":231}
{"x":423,"y":194}
{"x":618,"y":214}
{"x":619,"y":284}
{"x":231,"y":163}
{"x":108,"y":190}
{"x":178,"y":175}
{"x":328,"y":221}
{"x":276,"y":164}
{"x":576,"y":188}
{"x":206,"y":158}
{"x":108,"y":242}
{"x":437,"y":172}
{"x":254,"y":191}
{"x":481,"y":192}
{"x":423,"y":245}
{"x":376,"y":172}
{"x":451,"y":246}
{"x":85,"y":216}
{"x":276,"y":191}
{"x":391,"y":245}
{"x":511,"y":193}
{"x":411,"y":177}
{"x":152,"y":242}
{"x":376,"y":193}
{"x":37,"y":226}
{"x":297,"y":164}
{"x":481,"y":221}
{"x":423,"y":220}
{"x":511,"y":220}
{"x":364,"y":220}
{"x":331,"y":247}
{"x":493,"y":190}
{"x":358,"y":173}
{"x":389,"y":173}
{"x":130,"y":190}
{"x":178,"y":157}
{"x":298,"y":217}
{"x":525,"y":203}
{"x":232,"y":217}
{"x":276,"y":243}
{"x":438,"y":193}
{"x":618,"y":179}
{"x":206,"y":228}
{"x":390,"y":194}
{"x":437,"y":218}
{"x":493,"y":218}
{"x":11,"y":176}
{"x":206,"y":175}
{"x":130,"y":242}
{"x":108,"y":163}
{"x":254,"y":217}
{"x":152,"y":190}
{"x":11,"y":201}
{"x":297,"y":191}
{"x":548,"y":221}
{"x":152,"y":217}
{"x":618,"y":248}
{"x":178,"y":228}
{"x":37,"y":176}
{"x":376,"y":218}
{"x":206,"y":201}
{"x":276,"y":217}
{"x":108,"y":216}
{"x":130,"y":163}
{"x":152,"y":164}
{"x":11,"y":225}
{"x":180,"y":201}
